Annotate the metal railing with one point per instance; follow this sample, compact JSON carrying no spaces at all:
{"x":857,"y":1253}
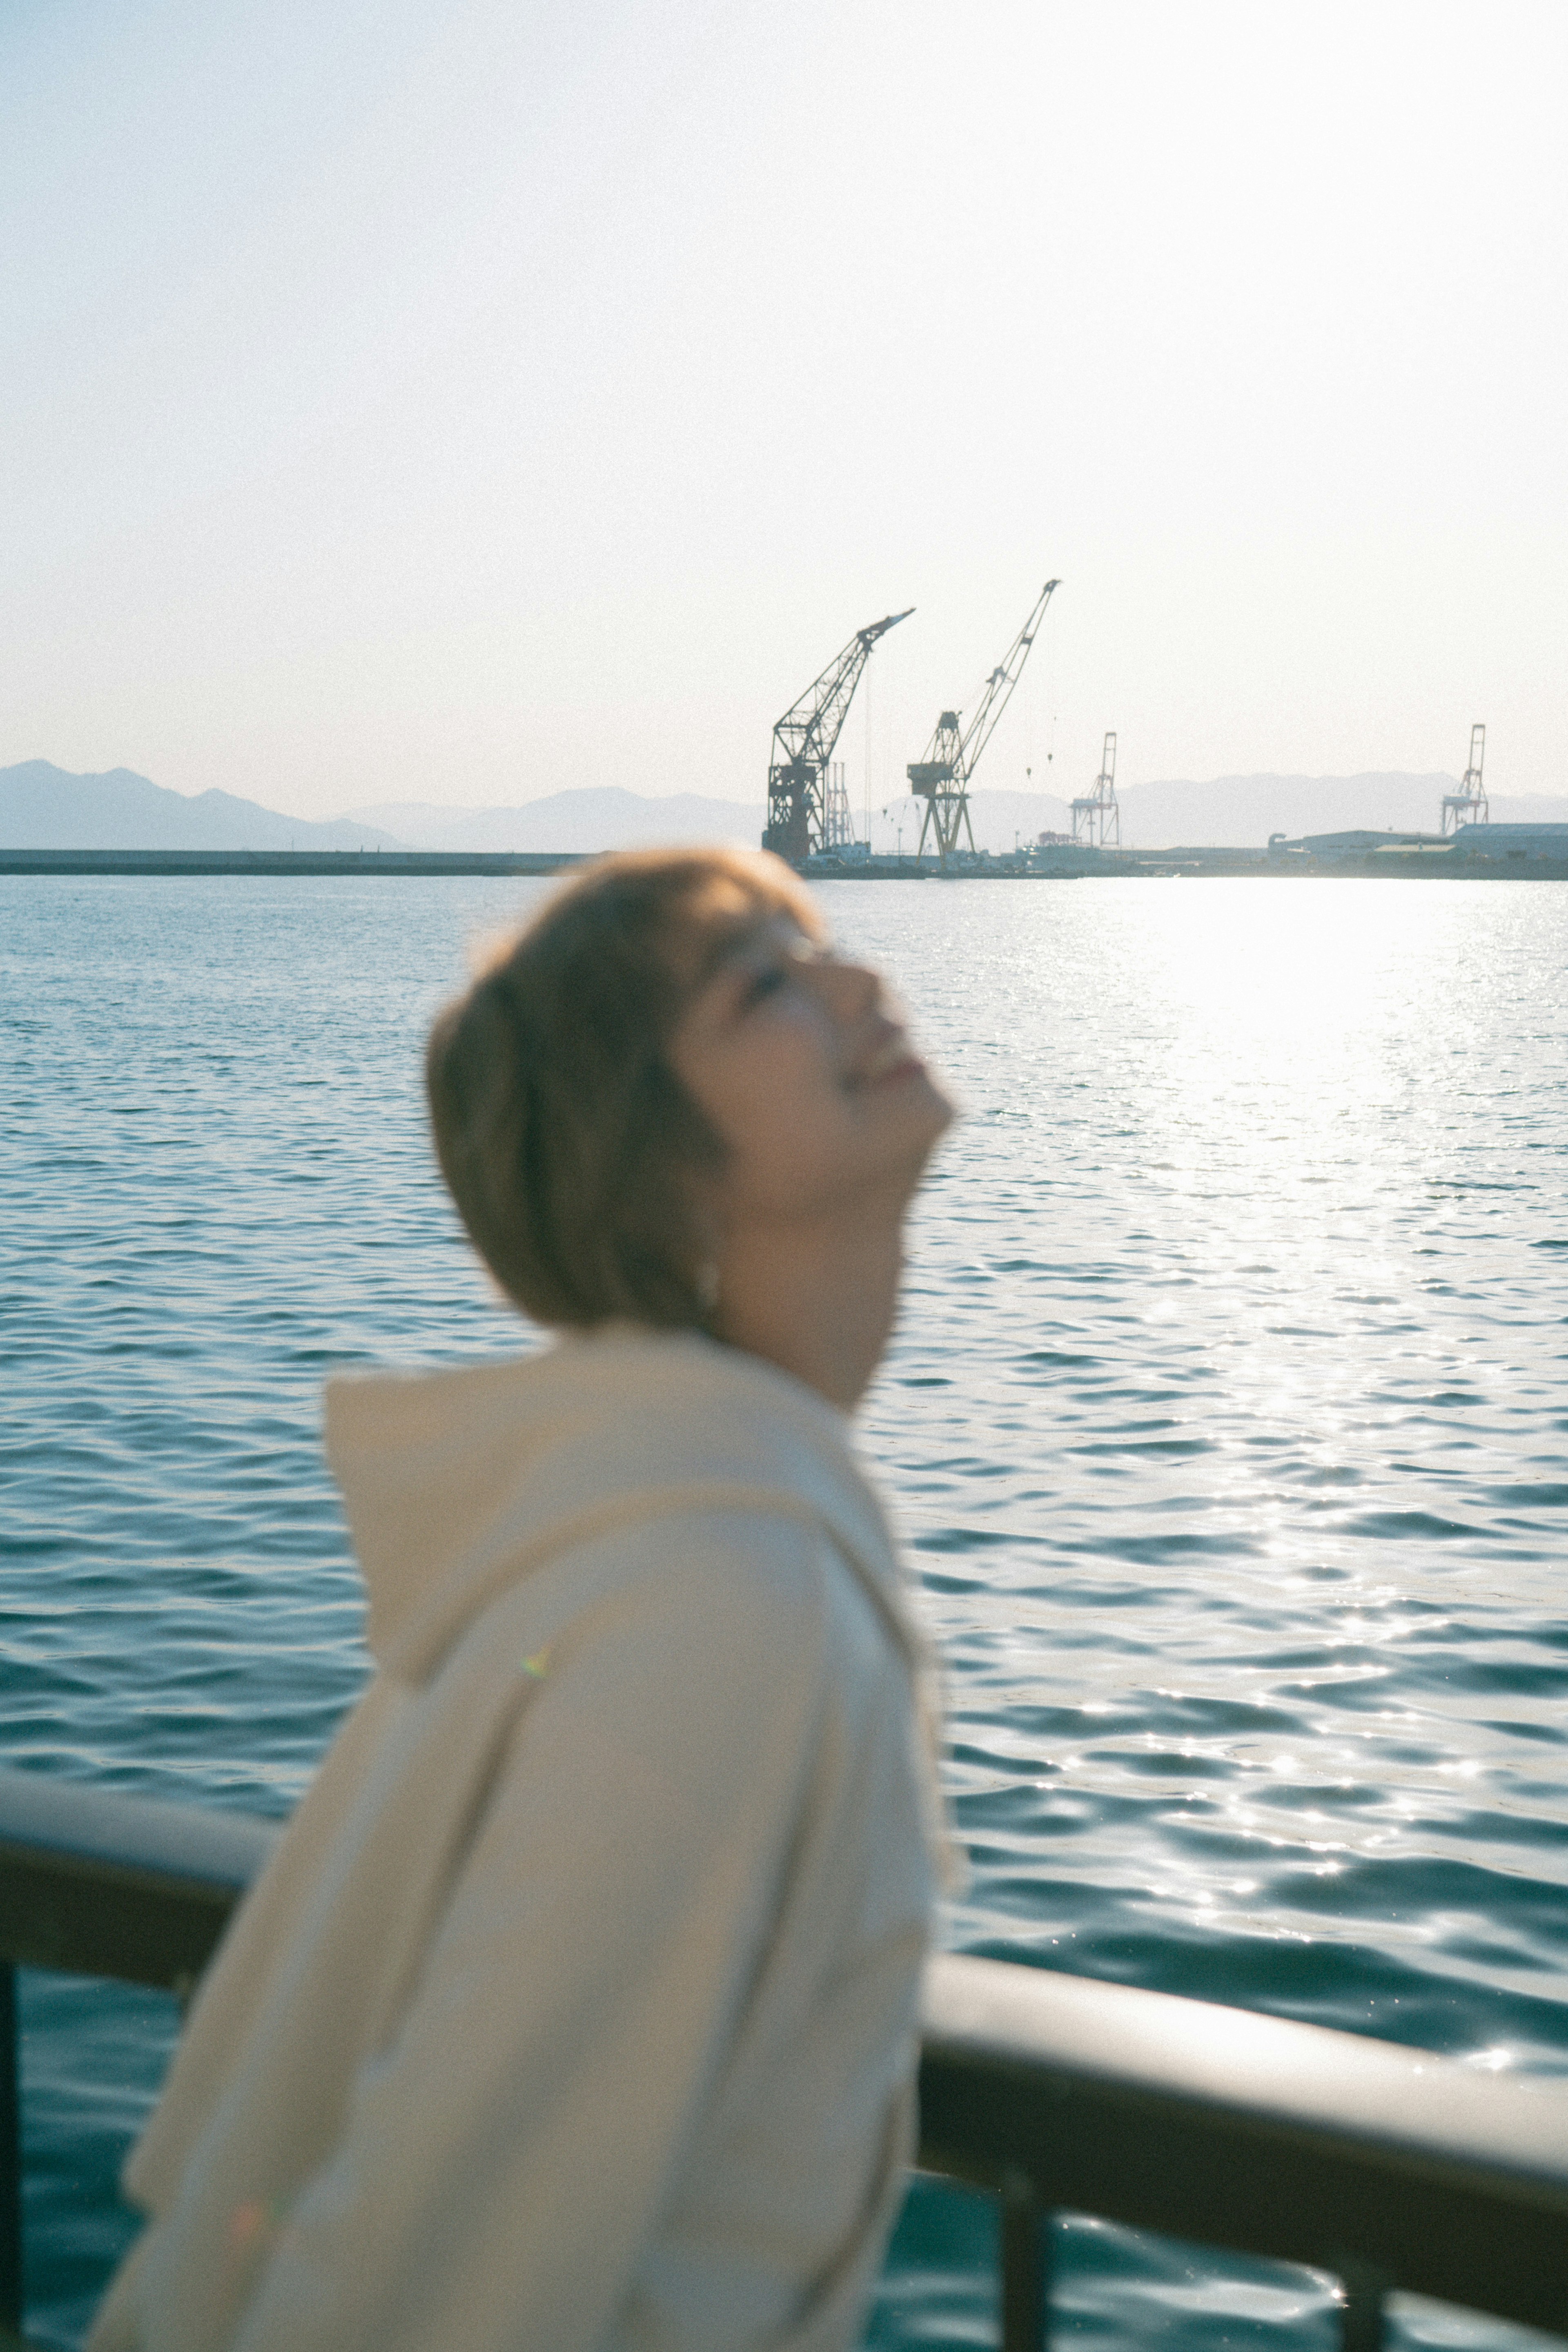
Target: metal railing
{"x":1384,"y":2166}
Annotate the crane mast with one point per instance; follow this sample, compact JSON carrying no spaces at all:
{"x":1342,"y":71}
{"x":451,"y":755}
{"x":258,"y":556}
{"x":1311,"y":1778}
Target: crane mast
{"x":942,"y":778}
{"x":799,"y":781}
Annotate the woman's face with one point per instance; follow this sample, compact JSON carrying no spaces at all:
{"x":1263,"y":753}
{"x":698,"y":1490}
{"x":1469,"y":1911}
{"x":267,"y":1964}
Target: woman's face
{"x":801,"y":1062}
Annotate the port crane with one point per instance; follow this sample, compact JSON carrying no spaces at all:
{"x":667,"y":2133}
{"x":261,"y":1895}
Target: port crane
{"x":942,"y":778}
{"x":804,"y":814}
{"x":1469,"y":804}
{"x":1096,"y":815}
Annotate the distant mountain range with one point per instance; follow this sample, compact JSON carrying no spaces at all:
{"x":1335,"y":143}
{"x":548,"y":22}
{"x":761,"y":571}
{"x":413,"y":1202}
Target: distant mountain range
{"x":42,"y":807}
{"x":598,"y":816}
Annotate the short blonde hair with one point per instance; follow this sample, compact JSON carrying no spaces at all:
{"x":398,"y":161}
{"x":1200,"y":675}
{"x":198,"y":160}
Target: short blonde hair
{"x":569,"y":1143}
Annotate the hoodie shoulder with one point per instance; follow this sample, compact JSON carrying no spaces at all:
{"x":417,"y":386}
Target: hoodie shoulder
{"x":458,"y":1485}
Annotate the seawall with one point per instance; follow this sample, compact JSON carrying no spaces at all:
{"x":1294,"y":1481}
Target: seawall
{"x":288,"y":861}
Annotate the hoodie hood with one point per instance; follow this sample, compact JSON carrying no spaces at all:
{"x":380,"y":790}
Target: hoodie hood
{"x":457,"y":1484}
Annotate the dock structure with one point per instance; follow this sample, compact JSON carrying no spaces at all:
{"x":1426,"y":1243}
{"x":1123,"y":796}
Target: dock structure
{"x":1469,"y":804}
{"x":1512,"y":844}
{"x":1477,"y":853}
{"x":1096,"y":818}
{"x":1480,"y":851}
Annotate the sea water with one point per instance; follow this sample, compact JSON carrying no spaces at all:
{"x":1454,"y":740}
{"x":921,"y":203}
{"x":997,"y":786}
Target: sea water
{"x":1225,"y":1424}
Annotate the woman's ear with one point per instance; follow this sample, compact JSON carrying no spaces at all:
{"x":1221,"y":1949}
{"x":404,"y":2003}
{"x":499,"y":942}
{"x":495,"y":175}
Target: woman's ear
{"x":706,"y":1231}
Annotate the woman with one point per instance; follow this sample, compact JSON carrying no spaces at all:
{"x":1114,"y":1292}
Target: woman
{"x":578,"y":2007}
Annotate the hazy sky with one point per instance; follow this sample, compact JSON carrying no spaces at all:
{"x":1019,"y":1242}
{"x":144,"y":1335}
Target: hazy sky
{"x":460,"y":401}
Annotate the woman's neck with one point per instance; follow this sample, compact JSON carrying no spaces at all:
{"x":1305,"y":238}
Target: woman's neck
{"x":816,"y":1299}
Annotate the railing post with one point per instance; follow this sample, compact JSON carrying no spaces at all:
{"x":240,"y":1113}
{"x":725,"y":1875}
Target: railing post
{"x":10,"y":2154}
{"x":1026,"y":2263}
{"x":1362,"y":2294}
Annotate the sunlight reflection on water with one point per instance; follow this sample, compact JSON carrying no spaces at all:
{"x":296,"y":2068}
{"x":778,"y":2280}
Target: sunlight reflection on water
{"x":1225,"y":1422}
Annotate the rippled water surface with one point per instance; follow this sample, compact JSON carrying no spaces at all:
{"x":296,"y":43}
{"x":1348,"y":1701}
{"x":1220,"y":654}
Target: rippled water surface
{"x":1226,"y":1424}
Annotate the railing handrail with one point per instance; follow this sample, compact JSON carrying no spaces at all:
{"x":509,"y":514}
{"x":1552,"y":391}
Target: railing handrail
{"x":1255,"y":2133}
{"x":1273,"y":2077}
{"x":188,"y":1844}
{"x":1377,"y":2163}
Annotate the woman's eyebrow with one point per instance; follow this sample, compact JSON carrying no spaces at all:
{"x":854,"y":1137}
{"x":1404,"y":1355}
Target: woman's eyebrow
{"x":725,"y":948}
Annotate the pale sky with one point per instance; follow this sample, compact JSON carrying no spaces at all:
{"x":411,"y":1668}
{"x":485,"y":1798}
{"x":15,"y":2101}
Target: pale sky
{"x":460,"y":401}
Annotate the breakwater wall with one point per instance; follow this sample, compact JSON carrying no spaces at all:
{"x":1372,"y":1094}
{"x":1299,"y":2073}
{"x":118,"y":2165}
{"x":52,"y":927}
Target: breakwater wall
{"x":1050,"y":865}
{"x":288,"y":861}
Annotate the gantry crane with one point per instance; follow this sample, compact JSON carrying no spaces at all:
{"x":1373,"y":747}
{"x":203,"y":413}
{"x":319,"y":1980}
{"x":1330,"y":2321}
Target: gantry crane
{"x":803,"y":741}
{"x":1097,"y":814}
{"x":1469,"y":804}
{"x":942,"y":778}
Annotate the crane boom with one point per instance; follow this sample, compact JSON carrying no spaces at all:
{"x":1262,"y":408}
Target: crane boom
{"x":942,"y":778}
{"x":803,"y":742}
{"x":1000,"y":684}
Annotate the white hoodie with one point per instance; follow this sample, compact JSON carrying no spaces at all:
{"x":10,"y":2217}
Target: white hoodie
{"x":577,"y":2008}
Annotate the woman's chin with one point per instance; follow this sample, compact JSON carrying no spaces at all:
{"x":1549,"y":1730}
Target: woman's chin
{"x":936,"y":1104}
{"x":917,"y":1114}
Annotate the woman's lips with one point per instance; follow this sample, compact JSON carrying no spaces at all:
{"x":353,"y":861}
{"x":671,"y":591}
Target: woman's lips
{"x":892,"y":1061}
